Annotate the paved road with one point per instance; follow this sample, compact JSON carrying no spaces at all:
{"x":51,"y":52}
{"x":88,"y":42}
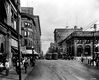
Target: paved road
{"x":62,"y":70}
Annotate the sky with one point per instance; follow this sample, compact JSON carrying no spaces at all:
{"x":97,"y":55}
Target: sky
{"x":61,"y":13}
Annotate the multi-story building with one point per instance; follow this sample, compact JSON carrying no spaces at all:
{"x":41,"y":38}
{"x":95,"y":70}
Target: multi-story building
{"x":9,"y":28}
{"x":27,"y":24}
{"x":31,"y":30}
{"x":80,"y":43}
{"x":37,"y":34}
{"x":60,"y":34}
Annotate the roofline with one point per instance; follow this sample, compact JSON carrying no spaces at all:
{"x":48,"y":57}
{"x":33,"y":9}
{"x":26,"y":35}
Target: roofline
{"x":38,"y":22}
{"x":29,"y":16}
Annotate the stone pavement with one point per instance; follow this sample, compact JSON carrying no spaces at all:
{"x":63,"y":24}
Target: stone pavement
{"x":14,"y":76}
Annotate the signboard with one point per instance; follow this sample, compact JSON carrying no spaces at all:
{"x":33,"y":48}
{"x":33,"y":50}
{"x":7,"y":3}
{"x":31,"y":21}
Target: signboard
{"x":14,"y":43}
{"x":28,"y":51}
{"x":84,"y":34}
{"x":23,"y":49}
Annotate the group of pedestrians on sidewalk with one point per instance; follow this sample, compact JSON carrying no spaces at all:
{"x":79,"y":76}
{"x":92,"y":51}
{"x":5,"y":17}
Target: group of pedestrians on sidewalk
{"x":28,"y":61}
{"x":4,"y":66}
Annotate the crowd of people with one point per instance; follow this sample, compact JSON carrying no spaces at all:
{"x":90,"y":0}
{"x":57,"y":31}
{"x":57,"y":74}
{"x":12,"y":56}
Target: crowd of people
{"x":25,"y":62}
{"x":4,"y":66}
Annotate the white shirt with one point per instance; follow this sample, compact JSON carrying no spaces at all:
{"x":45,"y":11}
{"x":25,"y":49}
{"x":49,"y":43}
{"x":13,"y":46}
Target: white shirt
{"x":7,"y":64}
{"x":1,"y":65}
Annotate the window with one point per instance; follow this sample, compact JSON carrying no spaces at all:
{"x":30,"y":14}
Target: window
{"x":14,"y":24}
{"x":25,"y":41}
{"x":25,"y":33}
{"x":27,"y":24}
{"x":2,"y":48}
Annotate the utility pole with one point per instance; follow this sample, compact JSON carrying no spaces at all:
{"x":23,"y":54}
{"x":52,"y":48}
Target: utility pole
{"x":94,"y":40}
{"x":18,"y":26}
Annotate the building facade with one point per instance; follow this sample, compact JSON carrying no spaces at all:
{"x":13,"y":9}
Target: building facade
{"x":27,"y":24}
{"x":9,"y":28}
{"x":60,"y":35}
{"x":31,"y":30}
{"x":82,"y":43}
{"x":37,"y":34}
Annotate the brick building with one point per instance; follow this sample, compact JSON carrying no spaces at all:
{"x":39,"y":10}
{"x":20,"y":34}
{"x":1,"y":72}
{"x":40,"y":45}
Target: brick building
{"x":31,"y":30}
{"x":27,"y":24}
{"x":9,"y":28}
{"x":79,"y":43}
{"x":37,"y":34}
{"x":60,"y":34}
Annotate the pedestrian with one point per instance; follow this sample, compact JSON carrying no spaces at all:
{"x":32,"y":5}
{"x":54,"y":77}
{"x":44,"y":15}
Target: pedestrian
{"x":17,"y":67}
{"x":7,"y":67}
{"x":25,"y":65}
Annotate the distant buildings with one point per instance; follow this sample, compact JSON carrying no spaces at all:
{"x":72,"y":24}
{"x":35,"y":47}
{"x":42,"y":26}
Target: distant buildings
{"x":61,"y":33}
{"x":75,"y":42}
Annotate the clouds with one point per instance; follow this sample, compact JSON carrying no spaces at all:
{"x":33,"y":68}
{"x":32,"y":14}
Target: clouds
{"x":60,"y":13}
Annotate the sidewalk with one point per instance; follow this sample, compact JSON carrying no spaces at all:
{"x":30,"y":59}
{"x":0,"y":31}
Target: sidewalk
{"x":14,"y":76}
{"x":91,"y":66}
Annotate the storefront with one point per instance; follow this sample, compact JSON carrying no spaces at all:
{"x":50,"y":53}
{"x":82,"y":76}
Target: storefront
{"x":2,"y":47}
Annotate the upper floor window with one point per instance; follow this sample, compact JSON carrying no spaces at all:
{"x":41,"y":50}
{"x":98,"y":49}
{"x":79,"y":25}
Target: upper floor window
{"x":87,"y":41}
{"x":27,"y":24}
{"x":79,"y":41}
{"x":25,"y":33}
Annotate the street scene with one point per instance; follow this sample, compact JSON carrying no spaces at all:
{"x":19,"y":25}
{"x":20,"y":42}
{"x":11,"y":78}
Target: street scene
{"x":49,"y":40}
{"x":62,"y":70}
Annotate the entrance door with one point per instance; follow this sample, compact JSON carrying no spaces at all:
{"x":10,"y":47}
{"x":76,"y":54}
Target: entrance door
{"x":79,"y":50}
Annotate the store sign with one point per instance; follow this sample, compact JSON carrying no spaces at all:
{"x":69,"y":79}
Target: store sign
{"x":23,"y":49}
{"x":28,"y":51}
{"x":84,"y":34}
{"x":14,"y":43}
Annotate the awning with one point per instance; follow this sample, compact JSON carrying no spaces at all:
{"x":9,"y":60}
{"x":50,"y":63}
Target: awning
{"x":28,"y":55}
{"x":14,"y":49}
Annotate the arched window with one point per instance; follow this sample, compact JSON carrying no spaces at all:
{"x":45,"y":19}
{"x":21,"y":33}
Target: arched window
{"x":87,"y":50}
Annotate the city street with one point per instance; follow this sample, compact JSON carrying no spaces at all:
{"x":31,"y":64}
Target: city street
{"x":62,"y":70}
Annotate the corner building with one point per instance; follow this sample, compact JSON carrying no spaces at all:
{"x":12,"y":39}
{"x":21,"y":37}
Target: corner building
{"x":9,"y":29}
